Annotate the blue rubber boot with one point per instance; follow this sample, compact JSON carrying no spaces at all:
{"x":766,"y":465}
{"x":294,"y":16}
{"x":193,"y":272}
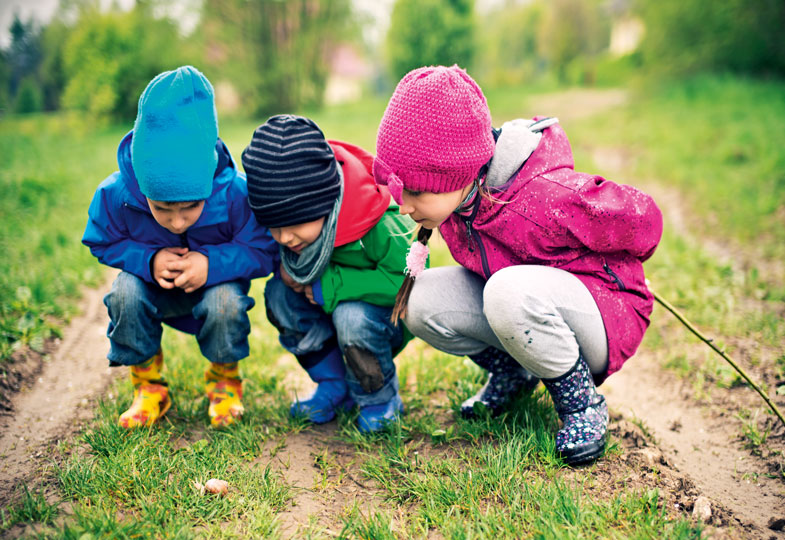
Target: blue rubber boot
{"x":377,"y":417}
{"x":331,"y":393}
{"x":506,"y":378}
{"x":582,"y":411}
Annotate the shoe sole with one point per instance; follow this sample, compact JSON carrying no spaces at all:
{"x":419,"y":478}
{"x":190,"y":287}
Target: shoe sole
{"x":583,"y":455}
{"x":346,"y":405}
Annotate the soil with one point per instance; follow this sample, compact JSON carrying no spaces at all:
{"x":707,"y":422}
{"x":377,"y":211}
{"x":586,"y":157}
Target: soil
{"x":54,"y":393}
{"x":690,"y":450}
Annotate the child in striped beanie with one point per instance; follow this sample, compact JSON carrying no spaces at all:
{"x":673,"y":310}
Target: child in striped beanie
{"x":343,"y":248}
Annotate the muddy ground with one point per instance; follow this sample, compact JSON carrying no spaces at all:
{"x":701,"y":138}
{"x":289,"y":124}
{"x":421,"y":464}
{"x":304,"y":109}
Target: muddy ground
{"x":691,"y":450}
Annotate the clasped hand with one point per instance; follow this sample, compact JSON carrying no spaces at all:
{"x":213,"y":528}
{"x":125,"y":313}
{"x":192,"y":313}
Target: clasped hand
{"x":180,"y":267}
{"x":307,"y":290}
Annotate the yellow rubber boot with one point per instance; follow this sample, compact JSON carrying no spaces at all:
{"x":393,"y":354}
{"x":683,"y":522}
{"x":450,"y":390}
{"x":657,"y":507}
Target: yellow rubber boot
{"x":151,"y":394}
{"x":225,"y":392}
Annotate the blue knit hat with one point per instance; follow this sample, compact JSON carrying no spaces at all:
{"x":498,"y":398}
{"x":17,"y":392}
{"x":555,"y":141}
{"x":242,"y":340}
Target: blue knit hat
{"x":292,"y":173}
{"x":173,"y":145}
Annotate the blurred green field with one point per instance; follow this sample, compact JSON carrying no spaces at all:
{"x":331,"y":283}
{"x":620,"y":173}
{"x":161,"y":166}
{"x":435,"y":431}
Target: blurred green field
{"x":712,"y":140}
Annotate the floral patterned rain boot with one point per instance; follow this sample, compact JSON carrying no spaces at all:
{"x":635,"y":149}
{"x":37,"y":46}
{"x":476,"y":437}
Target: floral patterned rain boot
{"x":151,"y":394}
{"x":583,"y":412}
{"x":506,"y":378}
{"x":225,"y":392}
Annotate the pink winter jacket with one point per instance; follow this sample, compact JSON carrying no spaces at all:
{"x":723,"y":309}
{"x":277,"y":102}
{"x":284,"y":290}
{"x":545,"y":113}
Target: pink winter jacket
{"x":553,"y":216}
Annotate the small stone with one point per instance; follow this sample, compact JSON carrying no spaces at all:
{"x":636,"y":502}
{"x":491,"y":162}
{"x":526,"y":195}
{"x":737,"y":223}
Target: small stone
{"x":776,"y":524}
{"x":702,"y":509}
{"x":652,"y":456}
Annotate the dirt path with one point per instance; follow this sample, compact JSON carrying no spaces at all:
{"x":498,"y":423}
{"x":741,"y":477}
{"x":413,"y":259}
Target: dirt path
{"x":699,"y":444}
{"x":51,"y":407}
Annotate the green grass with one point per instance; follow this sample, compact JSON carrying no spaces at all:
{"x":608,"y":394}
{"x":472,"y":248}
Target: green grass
{"x":50,"y":167}
{"x":493,"y":477}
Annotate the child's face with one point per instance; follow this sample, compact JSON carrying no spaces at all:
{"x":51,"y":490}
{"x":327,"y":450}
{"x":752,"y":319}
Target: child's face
{"x":176,"y":217}
{"x":431,"y":209}
{"x":300,"y":236}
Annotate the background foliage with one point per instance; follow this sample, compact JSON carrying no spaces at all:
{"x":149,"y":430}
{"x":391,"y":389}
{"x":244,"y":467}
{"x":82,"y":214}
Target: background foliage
{"x":277,"y":56}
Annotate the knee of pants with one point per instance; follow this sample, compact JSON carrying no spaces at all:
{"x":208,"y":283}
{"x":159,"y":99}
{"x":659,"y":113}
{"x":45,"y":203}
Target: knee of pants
{"x":508,"y":303}
{"x":354,"y":323}
{"x":225,"y":301}
{"x":128,"y":293}
{"x":419,"y":310}
{"x":275,"y":293}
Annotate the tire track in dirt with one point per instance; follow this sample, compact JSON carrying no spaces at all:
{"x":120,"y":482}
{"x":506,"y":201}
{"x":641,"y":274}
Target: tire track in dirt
{"x":59,"y":399}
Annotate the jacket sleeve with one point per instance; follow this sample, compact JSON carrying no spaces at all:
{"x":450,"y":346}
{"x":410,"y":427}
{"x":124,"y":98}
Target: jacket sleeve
{"x":250,"y":254}
{"x":385,"y":245}
{"x":107,"y":237}
{"x":608,"y":217}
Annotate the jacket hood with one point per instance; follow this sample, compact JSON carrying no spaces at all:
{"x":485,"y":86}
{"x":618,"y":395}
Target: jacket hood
{"x":364,"y":201}
{"x":553,"y":152}
{"x":129,"y":177}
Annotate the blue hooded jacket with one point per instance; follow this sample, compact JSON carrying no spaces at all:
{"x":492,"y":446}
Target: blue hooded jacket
{"x":121,"y":231}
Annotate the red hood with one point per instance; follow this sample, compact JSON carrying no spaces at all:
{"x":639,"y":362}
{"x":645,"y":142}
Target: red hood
{"x":364,"y":201}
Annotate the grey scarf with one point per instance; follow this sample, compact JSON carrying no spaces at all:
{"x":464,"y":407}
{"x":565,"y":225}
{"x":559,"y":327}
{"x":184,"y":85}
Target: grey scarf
{"x":310,"y":263}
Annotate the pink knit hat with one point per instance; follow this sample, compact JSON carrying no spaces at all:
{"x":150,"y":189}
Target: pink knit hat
{"x":435,"y":134}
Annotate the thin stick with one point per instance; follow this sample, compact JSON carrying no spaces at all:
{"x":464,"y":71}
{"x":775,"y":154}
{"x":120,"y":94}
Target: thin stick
{"x":711,"y":344}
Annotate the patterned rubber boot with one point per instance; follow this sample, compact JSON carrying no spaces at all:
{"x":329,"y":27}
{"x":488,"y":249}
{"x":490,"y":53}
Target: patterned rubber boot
{"x":506,"y":378}
{"x":583,"y":412}
{"x":225,"y":392}
{"x":331,"y":394}
{"x":151,"y":394}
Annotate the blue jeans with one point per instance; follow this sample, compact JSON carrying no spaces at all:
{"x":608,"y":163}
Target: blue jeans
{"x":217,"y":316}
{"x":305,"y":329}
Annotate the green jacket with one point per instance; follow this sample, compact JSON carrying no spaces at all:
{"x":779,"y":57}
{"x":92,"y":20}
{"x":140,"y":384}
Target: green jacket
{"x":370,"y":269}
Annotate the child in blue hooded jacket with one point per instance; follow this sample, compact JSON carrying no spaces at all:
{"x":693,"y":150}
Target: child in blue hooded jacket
{"x":175,"y":219}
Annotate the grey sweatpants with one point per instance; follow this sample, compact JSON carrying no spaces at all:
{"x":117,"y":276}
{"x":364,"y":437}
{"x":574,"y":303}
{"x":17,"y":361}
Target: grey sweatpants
{"x":543,"y":317}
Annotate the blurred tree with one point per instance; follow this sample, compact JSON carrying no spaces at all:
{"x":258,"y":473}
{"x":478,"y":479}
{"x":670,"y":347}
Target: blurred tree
{"x":276,"y":52}
{"x":51,"y":72}
{"x":5,"y":79}
{"x":572,"y":30}
{"x":430,"y":32}
{"x":508,"y":50}
{"x":28,"y":96}
{"x":109,"y":58}
{"x":684,"y":36}
{"x":24,"y":53}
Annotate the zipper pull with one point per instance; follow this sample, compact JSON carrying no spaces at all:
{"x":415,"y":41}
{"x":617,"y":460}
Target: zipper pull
{"x":469,"y":239}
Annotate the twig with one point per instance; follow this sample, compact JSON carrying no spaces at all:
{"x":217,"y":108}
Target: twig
{"x":710,"y":343}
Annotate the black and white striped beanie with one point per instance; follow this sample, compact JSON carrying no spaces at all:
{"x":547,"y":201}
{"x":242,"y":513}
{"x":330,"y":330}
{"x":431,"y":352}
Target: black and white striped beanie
{"x":292,"y":172}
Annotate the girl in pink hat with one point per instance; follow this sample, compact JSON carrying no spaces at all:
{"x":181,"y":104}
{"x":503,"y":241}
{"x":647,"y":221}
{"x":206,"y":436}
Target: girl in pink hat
{"x":551,"y":282}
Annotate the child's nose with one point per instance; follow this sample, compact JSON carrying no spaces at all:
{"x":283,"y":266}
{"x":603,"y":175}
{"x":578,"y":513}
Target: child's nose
{"x":405,"y":209}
